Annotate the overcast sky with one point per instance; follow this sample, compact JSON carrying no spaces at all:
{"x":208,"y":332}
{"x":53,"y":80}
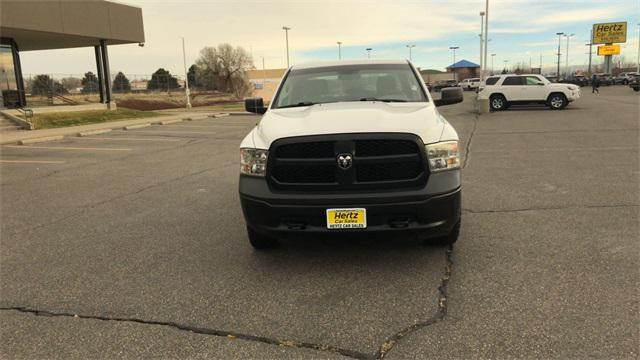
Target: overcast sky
{"x":518,"y":29}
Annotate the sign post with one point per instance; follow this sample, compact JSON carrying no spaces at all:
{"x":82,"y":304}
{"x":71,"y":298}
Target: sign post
{"x":608,"y":34}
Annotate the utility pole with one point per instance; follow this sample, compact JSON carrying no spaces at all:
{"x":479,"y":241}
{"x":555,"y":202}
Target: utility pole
{"x":410,"y":47}
{"x":638,"y":65}
{"x":559,"y":40}
{"x":540,"y":64}
{"x":339,"y":50}
{"x":186,"y":76}
{"x":482,"y":63}
{"x":368,"y":52}
{"x":566,"y":68}
{"x":286,"y":36}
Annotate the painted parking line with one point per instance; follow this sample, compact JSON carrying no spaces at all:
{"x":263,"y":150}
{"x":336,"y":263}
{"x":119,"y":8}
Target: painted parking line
{"x":31,"y":162}
{"x":64,"y":148}
{"x":127,"y":139}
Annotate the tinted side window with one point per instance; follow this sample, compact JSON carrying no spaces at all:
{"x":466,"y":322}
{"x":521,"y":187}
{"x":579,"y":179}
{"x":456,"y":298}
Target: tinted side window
{"x":512,"y":80}
{"x":492,"y":80}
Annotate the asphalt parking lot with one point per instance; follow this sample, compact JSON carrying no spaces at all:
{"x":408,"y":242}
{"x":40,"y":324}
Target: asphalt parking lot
{"x":132,"y":244}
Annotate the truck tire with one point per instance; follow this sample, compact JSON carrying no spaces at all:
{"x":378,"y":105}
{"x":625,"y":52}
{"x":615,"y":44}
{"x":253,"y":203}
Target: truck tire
{"x":557,"y":101}
{"x":497,"y":102}
{"x":259,"y":241}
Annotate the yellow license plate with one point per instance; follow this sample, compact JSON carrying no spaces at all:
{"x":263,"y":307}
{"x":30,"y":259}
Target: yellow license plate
{"x":347,"y":218}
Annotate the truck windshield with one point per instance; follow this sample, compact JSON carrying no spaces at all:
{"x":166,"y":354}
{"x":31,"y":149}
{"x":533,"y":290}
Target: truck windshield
{"x":369,"y":82}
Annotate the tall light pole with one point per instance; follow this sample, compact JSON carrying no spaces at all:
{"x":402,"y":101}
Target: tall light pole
{"x":410,"y":47}
{"x":559,"y":39}
{"x":339,"y":50}
{"x":482,"y":64}
{"x":492,"y":55}
{"x":590,"y":45}
{"x":454,"y":59}
{"x":486,"y":31}
{"x":638,"y":65}
{"x":286,"y":36}
{"x":505,"y":65}
{"x":566,"y":71}
{"x":368,"y":52}
{"x":186,"y":75}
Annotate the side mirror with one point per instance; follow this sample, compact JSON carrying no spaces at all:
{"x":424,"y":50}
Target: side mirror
{"x":450,"y":96}
{"x":254,"y":105}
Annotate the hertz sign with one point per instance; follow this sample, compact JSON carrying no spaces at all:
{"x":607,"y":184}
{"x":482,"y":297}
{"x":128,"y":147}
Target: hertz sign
{"x":609,"y":33}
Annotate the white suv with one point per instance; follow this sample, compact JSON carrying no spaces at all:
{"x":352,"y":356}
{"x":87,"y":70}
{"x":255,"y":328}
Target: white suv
{"x":509,"y":89}
{"x":469,"y":84}
{"x":351,"y":148}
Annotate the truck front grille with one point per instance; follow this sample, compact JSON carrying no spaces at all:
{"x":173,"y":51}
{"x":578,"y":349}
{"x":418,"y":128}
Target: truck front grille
{"x":379,"y":161}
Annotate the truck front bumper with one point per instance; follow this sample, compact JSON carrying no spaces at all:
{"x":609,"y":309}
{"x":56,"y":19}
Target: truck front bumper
{"x":430,"y":211}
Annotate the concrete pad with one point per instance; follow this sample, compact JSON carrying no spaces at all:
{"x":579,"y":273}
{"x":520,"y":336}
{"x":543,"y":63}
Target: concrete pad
{"x":93,"y":132}
{"x":40,"y":139}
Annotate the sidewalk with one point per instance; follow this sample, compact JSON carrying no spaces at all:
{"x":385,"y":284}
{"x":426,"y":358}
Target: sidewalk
{"x":14,"y":137}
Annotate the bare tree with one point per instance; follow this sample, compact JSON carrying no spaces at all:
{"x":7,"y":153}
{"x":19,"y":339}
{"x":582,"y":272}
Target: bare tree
{"x":224,"y":68}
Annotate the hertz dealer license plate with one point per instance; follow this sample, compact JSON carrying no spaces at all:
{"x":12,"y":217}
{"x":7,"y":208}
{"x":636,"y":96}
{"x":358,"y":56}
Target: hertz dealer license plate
{"x":347,"y":218}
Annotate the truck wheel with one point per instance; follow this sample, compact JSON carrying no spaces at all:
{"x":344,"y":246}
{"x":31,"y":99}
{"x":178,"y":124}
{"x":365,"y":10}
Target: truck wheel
{"x":447,"y":239}
{"x":557,"y":101}
{"x":259,"y":241}
{"x":497,"y":102}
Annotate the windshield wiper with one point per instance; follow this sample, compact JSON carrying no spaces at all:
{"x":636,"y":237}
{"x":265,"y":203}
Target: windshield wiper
{"x":304,"y":103}
{"x":383,"y":100}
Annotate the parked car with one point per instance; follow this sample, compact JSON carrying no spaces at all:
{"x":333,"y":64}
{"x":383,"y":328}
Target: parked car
{"x":444,"y":84}
{"x":605,"y":79}
{"x":625,"y":78}
{"x":510,"y":89}
{"x":579,"y":80}
{"x":469,"y":84}
{"x":634,"y":83}
{"x":351,"y":149}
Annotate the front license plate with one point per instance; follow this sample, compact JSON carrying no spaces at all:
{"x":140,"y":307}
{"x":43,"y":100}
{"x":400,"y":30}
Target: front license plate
{"x":347,"y":218}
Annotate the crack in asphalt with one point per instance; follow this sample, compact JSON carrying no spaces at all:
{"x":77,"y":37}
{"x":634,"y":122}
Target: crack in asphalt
{"x":549,"y":208}
{"x":382,"y":351}
{"x":231,"y":335}
{"x":441,"y":312}
{"x":467,"y":148}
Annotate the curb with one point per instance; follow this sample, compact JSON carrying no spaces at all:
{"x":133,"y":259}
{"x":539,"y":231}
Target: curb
{"x":167,"y":122}
{"x":40,"y":139}
{"x":93,"y":132}
{"x":133,"y":127}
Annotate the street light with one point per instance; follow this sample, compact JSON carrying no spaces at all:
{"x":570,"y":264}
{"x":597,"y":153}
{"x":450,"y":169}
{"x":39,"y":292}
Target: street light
{"x":492,"y":55}
{"x":482,"y":64}
{"x":454,"y":59}
{"x":339,"y":50}
{"x":286,"y":36}
{"x":505,"y":65}
{"x":638,"y":65}
{"x":368,"y":52}
{"x":568,"y":36}
{"x":559,"y":39}
{"x":410,"y":47}
{"x":486,"y":31}
{"x":186,"y":75}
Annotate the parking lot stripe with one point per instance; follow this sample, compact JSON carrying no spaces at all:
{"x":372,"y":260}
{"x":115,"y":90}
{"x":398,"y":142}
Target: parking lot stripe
{"x":31,"y":162}
{"x":64,"y":148}
{"x":128,"y":139}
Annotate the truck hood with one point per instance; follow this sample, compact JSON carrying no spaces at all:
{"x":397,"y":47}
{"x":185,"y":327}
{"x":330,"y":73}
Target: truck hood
{"x":421,"y":119}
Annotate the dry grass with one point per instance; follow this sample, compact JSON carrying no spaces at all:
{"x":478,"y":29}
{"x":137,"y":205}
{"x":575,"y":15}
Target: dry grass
{"x":73,"y":118}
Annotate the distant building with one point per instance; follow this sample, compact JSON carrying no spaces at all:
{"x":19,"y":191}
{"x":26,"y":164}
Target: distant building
{"x":265,"y":82}
{"x":61,"y":24}
{"x":464,"y":69}
{"x":431,"y":76}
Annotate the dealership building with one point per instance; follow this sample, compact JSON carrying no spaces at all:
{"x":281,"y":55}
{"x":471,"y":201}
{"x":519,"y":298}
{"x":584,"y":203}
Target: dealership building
{"x":61,"y":24}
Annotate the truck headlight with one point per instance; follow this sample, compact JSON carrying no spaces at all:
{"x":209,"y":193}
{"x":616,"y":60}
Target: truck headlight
{"x":253,"y":161}
{"x":443,"y":156}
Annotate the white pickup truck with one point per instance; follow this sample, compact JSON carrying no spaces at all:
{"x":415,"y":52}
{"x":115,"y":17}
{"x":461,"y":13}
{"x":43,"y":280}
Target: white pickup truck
{"x":511,"y":89}
{"x":351,"y":149}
